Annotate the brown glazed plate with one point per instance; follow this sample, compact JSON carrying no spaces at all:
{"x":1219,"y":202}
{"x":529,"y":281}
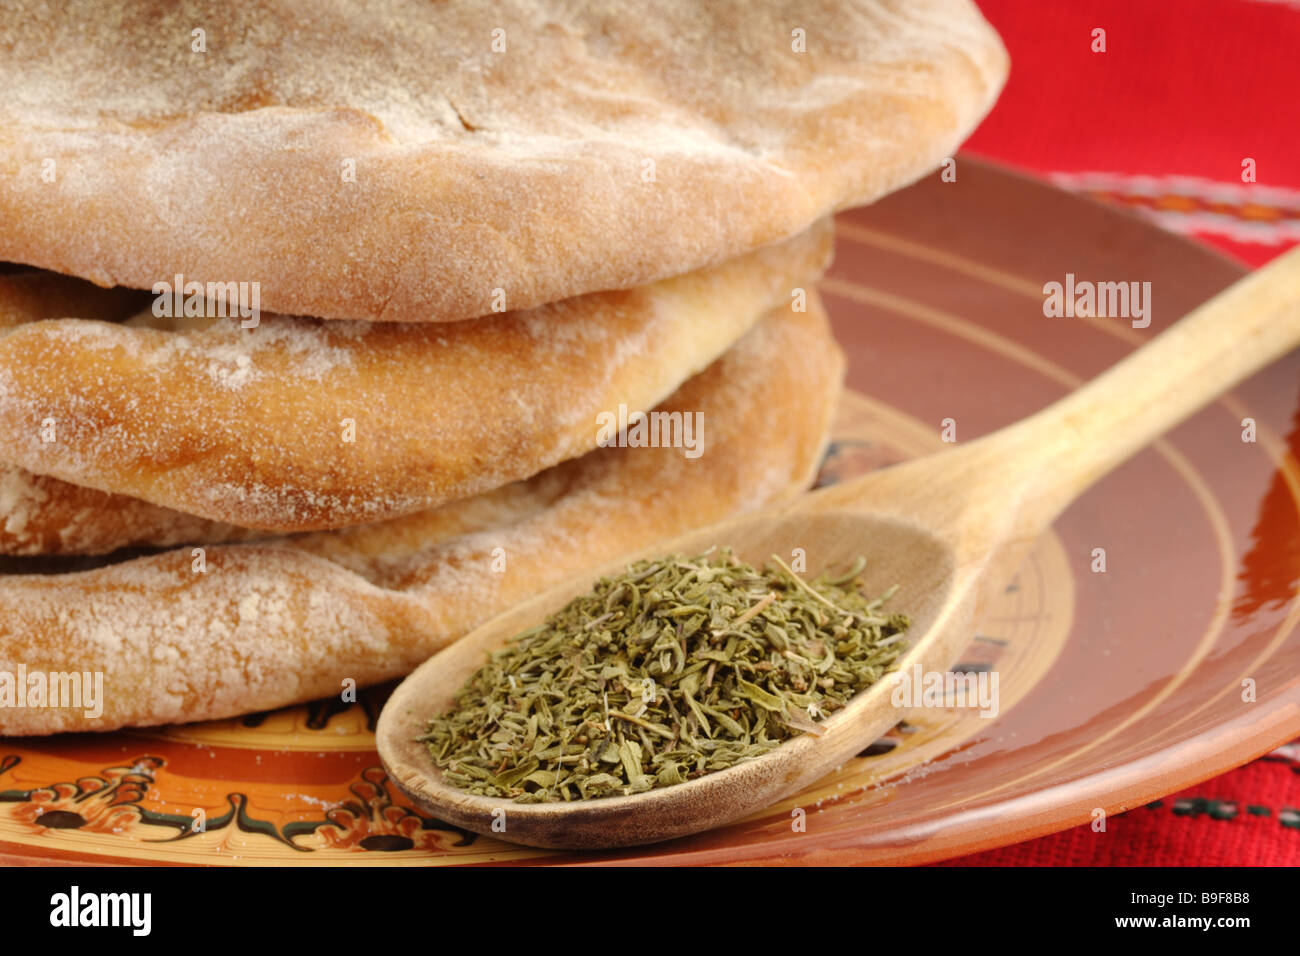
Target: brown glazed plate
{"x":1177,"y":662}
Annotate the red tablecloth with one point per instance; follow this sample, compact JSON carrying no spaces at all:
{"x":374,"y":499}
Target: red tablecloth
{"x":1186,"y":98}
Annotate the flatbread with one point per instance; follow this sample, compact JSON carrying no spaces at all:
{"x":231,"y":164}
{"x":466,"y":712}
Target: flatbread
{"x":277,"y":623}
{"x":411,"y":161}
{"x":43,"y":515}
{"x":302,"y":424}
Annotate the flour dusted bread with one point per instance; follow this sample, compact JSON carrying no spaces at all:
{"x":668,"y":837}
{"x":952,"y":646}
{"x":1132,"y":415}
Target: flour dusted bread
{"x":405,"y":160}
{"x":275,"y":623}
{"x":40,"y":515}
{"x":301,"y":424}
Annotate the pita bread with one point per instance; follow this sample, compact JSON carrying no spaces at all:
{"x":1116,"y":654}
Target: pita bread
{"x":300,"y":424}
{"x":276,"y":623}
{"x":410,"y":161}
{"x":43,"y":515}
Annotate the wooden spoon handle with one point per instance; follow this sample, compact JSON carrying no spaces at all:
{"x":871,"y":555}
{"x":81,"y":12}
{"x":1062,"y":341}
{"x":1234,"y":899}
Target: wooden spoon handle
{"x":1011,"y":484}
{"x":1063,"y":449}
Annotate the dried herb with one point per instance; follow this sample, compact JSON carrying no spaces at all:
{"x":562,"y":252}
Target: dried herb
{"x":677,"y":668}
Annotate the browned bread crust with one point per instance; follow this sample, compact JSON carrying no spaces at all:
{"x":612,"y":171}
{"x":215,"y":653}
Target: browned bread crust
{"x":301,"y":424}
{"x":276,"y":623}
{"x":403,"y":160}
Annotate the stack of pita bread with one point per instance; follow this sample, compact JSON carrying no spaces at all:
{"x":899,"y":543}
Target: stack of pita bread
{"x":474,"y":232}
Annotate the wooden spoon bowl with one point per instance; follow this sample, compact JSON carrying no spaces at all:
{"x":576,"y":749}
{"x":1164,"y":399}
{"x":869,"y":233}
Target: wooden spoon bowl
{"x":901,"y":551}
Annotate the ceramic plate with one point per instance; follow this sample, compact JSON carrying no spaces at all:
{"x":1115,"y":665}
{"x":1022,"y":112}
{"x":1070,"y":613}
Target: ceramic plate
{"x":1176,"y":662}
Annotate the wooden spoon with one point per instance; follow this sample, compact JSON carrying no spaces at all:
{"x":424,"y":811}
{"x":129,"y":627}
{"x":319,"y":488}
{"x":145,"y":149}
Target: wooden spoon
{"x":950,"y":529}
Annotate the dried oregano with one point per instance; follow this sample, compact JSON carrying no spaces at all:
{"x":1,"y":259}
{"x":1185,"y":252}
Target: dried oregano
{"x":674,"y":669}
